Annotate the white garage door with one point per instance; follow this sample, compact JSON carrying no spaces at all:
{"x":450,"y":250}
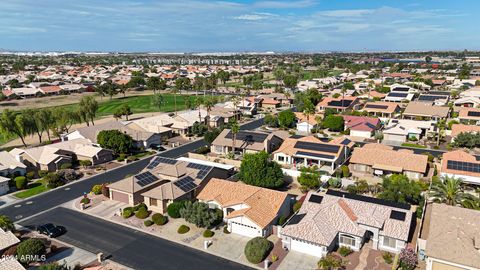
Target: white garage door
{"x":245,"y":230}
{"x":306,"y":248}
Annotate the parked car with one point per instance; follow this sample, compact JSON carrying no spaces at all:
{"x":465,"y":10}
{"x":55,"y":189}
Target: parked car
{"x":51,"y":230}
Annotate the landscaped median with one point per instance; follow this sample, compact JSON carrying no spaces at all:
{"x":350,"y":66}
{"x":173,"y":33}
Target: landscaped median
{"x":222,"y":243}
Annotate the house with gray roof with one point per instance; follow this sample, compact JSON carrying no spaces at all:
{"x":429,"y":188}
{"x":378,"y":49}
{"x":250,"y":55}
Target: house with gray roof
{"x":247,"y":142}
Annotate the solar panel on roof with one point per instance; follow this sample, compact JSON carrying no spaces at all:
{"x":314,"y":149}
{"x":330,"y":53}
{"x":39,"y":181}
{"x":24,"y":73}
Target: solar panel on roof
{"x":473,"y":113}
{"x":374,"y":106}
{"x":158,"y":160}
{"x":145,"y":178}
{"x":345,"y":142}
{"x":368,"y":199}
{"x":441,"y":93}
{"x":315,"y":198}
{"x":339,"y":103}
{"x":400,"y":89}
{"x":397,"y":215}
{"x":296,"y":219}
{"x":322,"y":147}
{"x":463,"y":166}
{"x":393,"y":94}
{"x":430,"y":97}
{"x":186,"y":184}
{"x":202,"y":169}
{"x":315,"y":155}
{"x":248,"y":136}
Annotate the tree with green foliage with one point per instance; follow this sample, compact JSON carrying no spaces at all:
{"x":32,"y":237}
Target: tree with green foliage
{"x":257,"y":170}
{"x":199,"y":129}
{"x":88,"y":108}
{"x":399,"y":188}
{"x":467,"y":139}
{"x":309,"y":177}
{"x":211,"y":135}
{"x":270,"y":120}
{"x":257,"y":249}
{"x":331,"y":262}
{"x":447,"y":190}
{"x":123,"y":110}
{"x":28,"y":249}
{"x":65,"y":119}
{"x":115,"y":140}
{"x":333,"y":123}
{"x":58,"y":266}
{"x":6,"y":223}
{"x":156,"y":83}
{"x":286,"y":119}
{"x":290,"y":81}
{"x":182,"y":83}
{"x":200,"y":214}
{"x":13,"y":123}
{"x":157,"y":101}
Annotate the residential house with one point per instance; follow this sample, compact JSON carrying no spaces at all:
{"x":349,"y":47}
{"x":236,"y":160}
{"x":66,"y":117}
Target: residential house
{"x":334,"y":219}
{"x":380,"y":159}
{"x":449,"y":238}
{"x":50,"y":89}
{"x":163,"y":181}
{"x":72,"y":88}
{"x":399,"y":97}
{"x":469,"y":115}
{"x":381,"y":109}
{"x":398,"y":131}
{"x":4,"y":185}
{"x":247,"y":210}
{"x":339,"y":104}
{"x":472,"y":92}
{"x":83,"y":149}
{"x":245,"y":106}
{"x":361,"y":126}
{"x":305,"y":124}
{"x":462,"y":128}
{"x":472,"y":102}
{"x":460,"y":164}
{"x":7,"y":239}
{"x":424,"y":110}
{"x":24,"y":92}
{"x":298,"y":152}
{"x":247,"y":142}
{"x":11,"y":264}
{"x":42,"y":158}
{"x":438,"y":98}
{"x":11,"y":164}
{"x":140,"y":138}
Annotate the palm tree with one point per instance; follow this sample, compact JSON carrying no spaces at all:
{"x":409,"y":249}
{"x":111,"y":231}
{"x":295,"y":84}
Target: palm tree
{"x":235,"y":128}
{"x":288,"y":95}
{"x":448,"y":190}
{"x":471,"y":202}
{"x":6,"y":224}
{"x":308,"y":110}
{"x":441,"y":124}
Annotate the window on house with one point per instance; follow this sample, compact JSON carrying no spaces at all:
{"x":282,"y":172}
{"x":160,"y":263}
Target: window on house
{"x":218,"y":149}
{"x":389,"y":242}
{"x":347,"y":240}
{"x":153,"y":202}
{"x":281,"y":159}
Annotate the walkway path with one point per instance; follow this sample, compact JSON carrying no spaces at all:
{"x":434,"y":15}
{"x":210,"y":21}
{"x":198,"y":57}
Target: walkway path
{"x":362,"y":264}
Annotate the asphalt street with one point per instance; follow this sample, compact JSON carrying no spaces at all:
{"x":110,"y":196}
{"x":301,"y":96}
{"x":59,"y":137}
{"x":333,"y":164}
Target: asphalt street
{"x":126,"y":246}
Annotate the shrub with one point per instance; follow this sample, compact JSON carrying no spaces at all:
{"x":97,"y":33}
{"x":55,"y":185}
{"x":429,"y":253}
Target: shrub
{"x":97,"y":189}
{"x":105,"y":191}
{"x":66,"y":166}
{"x":208,"y":233}
{"x":140,"y":206}
{"x":85,"y":163}
{"x":142,"y":213}
{"x":127,"y":212}
{"x":69,"y":174}
{"x":281,"y":220}
{"x":345,"y":171}
{"x":201,"y":215}
{"x":334,"y":182}
{"x":183,"y":229}
{"x":21,"y":182}
{"x":387,"y":257}
{"x":330,"y":262}
{"x":225,"y":230}
{"x":297,"y":206}
{"x":42,"y":173}
{"x":274,"y":258}
{"x":159,"y":219}
{"x":148,"y":223}
{"x":29,"y":248}
{"x":30,"y":175}
{"x":344,"y":251}
{"x":85,"y":200}
{"x":408,"y":259}
{"x":352,"y":189}
{"x":173,"y":209}
{"x":257,"y":249}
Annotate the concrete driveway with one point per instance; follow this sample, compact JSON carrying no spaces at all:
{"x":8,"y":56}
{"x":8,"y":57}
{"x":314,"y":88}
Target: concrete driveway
{"x":298,"y":261}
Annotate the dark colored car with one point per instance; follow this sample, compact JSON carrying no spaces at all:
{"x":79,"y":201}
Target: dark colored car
{"x":157,"y":147}
{"x":51,"y":230}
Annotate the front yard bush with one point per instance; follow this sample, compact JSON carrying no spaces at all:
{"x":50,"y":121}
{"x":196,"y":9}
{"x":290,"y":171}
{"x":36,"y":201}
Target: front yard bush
{"x":282,"y":220}
{"x":173,"y":209}
{"x":330,"y":262}
{"x":29,"y":248}
{"x":127,"y":212}
{"x":225,"y":230}
{"x":183,"y":229}
{"x":21,"y":182}
{"x":148,"y":223}
{"x":42,"y":173}
{"x":159,"y":219}
{"x":387,"y":257}
{"x":257,"y":249}
{"x":85,"y":200}
{"x":30,"y":175}
{"x":297,"y":206}
{"x":140,"y":206}
{"x":97,"y":189}
{"x":201,"y":215}
{"x":208,"y":233}
{"x":142,"y":213}
{"x":69,"y":175}
{"x":66,"y":166}
{"x":53,"y":180}
{"x":345,"y":251}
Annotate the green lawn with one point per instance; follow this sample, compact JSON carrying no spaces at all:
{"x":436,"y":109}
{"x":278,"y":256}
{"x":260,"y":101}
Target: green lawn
{"x":414,"y":145}
{"x":33,"y":189}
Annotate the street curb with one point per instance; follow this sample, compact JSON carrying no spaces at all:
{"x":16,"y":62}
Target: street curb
{"x":156,"y":235}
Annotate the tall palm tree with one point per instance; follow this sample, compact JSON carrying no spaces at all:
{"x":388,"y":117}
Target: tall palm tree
{"x":235,"y":128}
{"x":448,"y":190}
{"x":308,"y":110}
{"x":441,"y":124}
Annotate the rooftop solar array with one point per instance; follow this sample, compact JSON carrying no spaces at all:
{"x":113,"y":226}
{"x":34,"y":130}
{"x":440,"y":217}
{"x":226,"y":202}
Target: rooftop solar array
{"x":441,"y":93}
{"x":315,"y":155}
{"x":463,"y":166}
{"x":368,"y":199}
{"x":397,"y":215}
{"x":401,"y":89}
{"x":160,"y":160}
{"x":317,"y":147}
{"x":338,"y":103}
{"x":145,"y":178}
{"x":373,"y":106}
{"x":315,"y":198}
{"x":393,"y":94}
{"x":248,"y":136}
{"x":345,"y":142}
{"x":430,"y":97}
{"x":473,"y":113}
{"x":296,"y":219}
{"x":202,"y":169}
{"x":186,"y":184}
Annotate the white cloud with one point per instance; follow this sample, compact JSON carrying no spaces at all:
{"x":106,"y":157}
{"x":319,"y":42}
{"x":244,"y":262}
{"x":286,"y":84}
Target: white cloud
{"x":285,"y":4}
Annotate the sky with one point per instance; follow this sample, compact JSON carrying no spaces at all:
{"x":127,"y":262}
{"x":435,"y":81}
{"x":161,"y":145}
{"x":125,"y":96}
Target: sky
{"x":239,"y":25}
